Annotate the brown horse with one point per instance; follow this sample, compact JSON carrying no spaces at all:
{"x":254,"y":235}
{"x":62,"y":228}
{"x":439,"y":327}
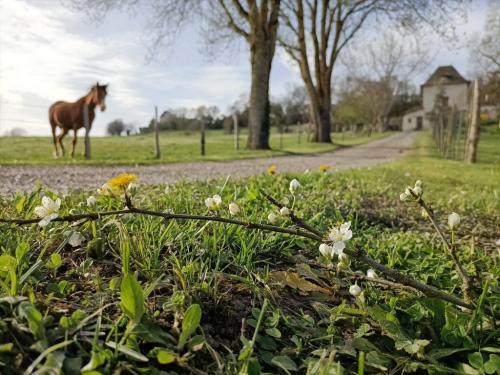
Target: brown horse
{"x":70,"y":116}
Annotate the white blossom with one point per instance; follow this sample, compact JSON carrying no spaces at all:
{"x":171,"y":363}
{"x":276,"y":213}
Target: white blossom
{"x":326,"y":250}
{"x":453,"y":220}
{"x":213,"y":202}
{"x":48,"y":211}
{"x":272,"y":218}
{"x":371,"y":273}
{"x":234,"y":209}
{"x":105,"y":189}
{"x":75,"y":239}
{"x":355,"y":290}
{"x":294,"y":186}
{"x":417,"y":190}
{"x":284,"y":211}
{"x":497,"y":242}
{"x":339,"y":236}
{"x":343,"y":257}
{"x":91,"y":201}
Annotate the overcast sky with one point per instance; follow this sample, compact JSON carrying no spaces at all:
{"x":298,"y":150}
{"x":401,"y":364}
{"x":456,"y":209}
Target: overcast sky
{"x":49,"y":53}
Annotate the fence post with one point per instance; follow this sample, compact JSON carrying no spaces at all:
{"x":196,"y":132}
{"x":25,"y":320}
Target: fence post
{"x":473,"y":136}
{"x":86,"y":123}
{"x":281,"y":136}
{"x":298,"y":132}
{"x":157,"y":134}
{"x":236,"y":133}
{"x":202,"y":140}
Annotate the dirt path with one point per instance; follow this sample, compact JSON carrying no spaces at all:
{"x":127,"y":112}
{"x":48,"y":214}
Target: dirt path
{"x":64,"y":178}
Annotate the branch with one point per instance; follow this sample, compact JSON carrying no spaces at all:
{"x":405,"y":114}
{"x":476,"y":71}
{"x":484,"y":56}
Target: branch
{"x":363,"y":257}
{"x":231,"y":22}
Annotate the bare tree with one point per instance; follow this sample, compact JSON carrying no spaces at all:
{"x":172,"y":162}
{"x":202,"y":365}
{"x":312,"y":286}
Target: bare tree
{"x":383,"y":66}
{"x":486,"y":48}
{"x":314,"y":33}
{"x":255,"y":21}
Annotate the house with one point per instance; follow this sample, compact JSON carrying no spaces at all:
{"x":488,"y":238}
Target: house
{"x":447,"y":82}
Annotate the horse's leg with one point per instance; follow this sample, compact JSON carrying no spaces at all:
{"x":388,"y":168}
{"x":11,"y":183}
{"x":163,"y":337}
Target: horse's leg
{"x":54,"y":137}
{"x":61,"y":136}
{"x":74,"y":143}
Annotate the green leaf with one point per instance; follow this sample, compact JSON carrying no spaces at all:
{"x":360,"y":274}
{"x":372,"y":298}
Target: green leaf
{"x":8,"y":263}
{"x":284,"y":362}
{"x":476,"y":360}
{"x":20,"y":204}
{"x":97,"y":359}
{"x":132,"y":298}
{"x":6,"y":347}
{"x":126,"y":350}
{"x":196,"y":343}
{"x":164,"y":357}
{"x":54,"y":262}
{"x":493,"y":365}
{"x":254,"y":367}
{"x":273,"y":332}
{"x":190,"y":323}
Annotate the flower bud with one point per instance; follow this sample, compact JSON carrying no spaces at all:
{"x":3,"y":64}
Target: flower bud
{"x":294,"y":186}
{"x":453,"y":220}
{"x":355,"y":290}
{"x":91,"y":201}
{"x":403,"y":197}
{"x":326,"y":250}
{"x":272,"y":218}
{"x":234,"y":209}
{"x":371,"y":273}
{"x":284,"y":211}
{"x":418,"y":191}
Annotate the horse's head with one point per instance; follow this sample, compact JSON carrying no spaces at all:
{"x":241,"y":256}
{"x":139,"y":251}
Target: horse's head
{"x":98,"y":95}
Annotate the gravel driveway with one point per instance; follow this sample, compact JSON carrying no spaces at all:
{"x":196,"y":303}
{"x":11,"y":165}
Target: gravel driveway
{"x":64,"y":178}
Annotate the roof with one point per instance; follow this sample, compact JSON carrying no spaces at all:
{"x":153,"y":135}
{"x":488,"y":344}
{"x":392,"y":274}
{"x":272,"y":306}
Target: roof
{"x":414,"y":109}
{"x":447,"y":75}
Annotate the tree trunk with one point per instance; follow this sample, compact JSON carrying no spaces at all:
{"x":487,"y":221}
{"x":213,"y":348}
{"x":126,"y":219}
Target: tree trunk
{"x":258,"y":112}
{"x":320,"y":116}
{"x":473,"y":136}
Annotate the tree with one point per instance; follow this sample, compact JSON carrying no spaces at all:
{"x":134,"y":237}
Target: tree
{"x":486,"y":49}
{"x":314,"y":33}
{"x":116,"y":127}
{"x":383,"y":66}
{"x":256,"y":22}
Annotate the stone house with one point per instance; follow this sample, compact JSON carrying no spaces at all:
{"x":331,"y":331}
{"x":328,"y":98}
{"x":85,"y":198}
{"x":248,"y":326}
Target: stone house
{"x":445,"y":81}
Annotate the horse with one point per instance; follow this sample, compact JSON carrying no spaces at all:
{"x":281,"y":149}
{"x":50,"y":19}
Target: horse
{"x":70,"y":115}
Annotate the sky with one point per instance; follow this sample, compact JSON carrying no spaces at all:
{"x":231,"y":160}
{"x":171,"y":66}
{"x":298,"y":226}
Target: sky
{"x":49,"y":52}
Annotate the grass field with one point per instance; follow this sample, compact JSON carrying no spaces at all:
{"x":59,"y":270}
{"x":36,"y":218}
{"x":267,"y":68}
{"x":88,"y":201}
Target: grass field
{"x":140,"y":294}
{"x":175,"y":147}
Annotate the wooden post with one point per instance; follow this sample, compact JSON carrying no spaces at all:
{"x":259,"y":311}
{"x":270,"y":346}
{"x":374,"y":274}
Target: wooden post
{"x":202,"y":140}
{"x":236,"y":133}
{"x":86,"y":123}
{"x":281,"y":136}
{"x":473,"y":136}
{"x":298,"y":132}
{"x":157,"y":134}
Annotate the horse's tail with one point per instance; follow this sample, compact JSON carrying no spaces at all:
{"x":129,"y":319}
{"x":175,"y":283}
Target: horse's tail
{"x":52,"y":120}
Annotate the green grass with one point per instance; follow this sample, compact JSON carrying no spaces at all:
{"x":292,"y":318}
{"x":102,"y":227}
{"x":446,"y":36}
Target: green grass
{"x":175,"y":147}
{"x":67,"y":303}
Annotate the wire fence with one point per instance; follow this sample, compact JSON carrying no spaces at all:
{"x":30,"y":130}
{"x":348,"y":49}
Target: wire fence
{"x":456,"y":131}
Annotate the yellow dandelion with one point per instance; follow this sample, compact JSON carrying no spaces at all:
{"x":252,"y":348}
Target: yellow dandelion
{"x":323,"y":168}
{"x":271,"y":170}
{"x":121,"y":183}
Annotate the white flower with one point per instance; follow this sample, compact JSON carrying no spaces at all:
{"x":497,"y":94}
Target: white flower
{"x":284,"y":211}
{"x":339,"y":235}
{"x":75,"y":239}
{"x":272,"y":218}
{"x":404,"y":197}
{"x":294,"y":186}
{"x":234,"y":209}
{"x":453,"y":220}
{"x":132,"y":187}
{"x":408,"y":191}
{"x":497,"y":242}
{"x":209,"y":202}
{"x":326,"y":250}
{"x":418,"y":191}
{"x":371,"y":273}
{"x":217,"y":199}
{"x":418,"y":183}
{"x":91,"y":201}
{"x":213,"y":202}
{"x":355,"y":290}
{"x":48,"y":211}
{"x":105,"y":190}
